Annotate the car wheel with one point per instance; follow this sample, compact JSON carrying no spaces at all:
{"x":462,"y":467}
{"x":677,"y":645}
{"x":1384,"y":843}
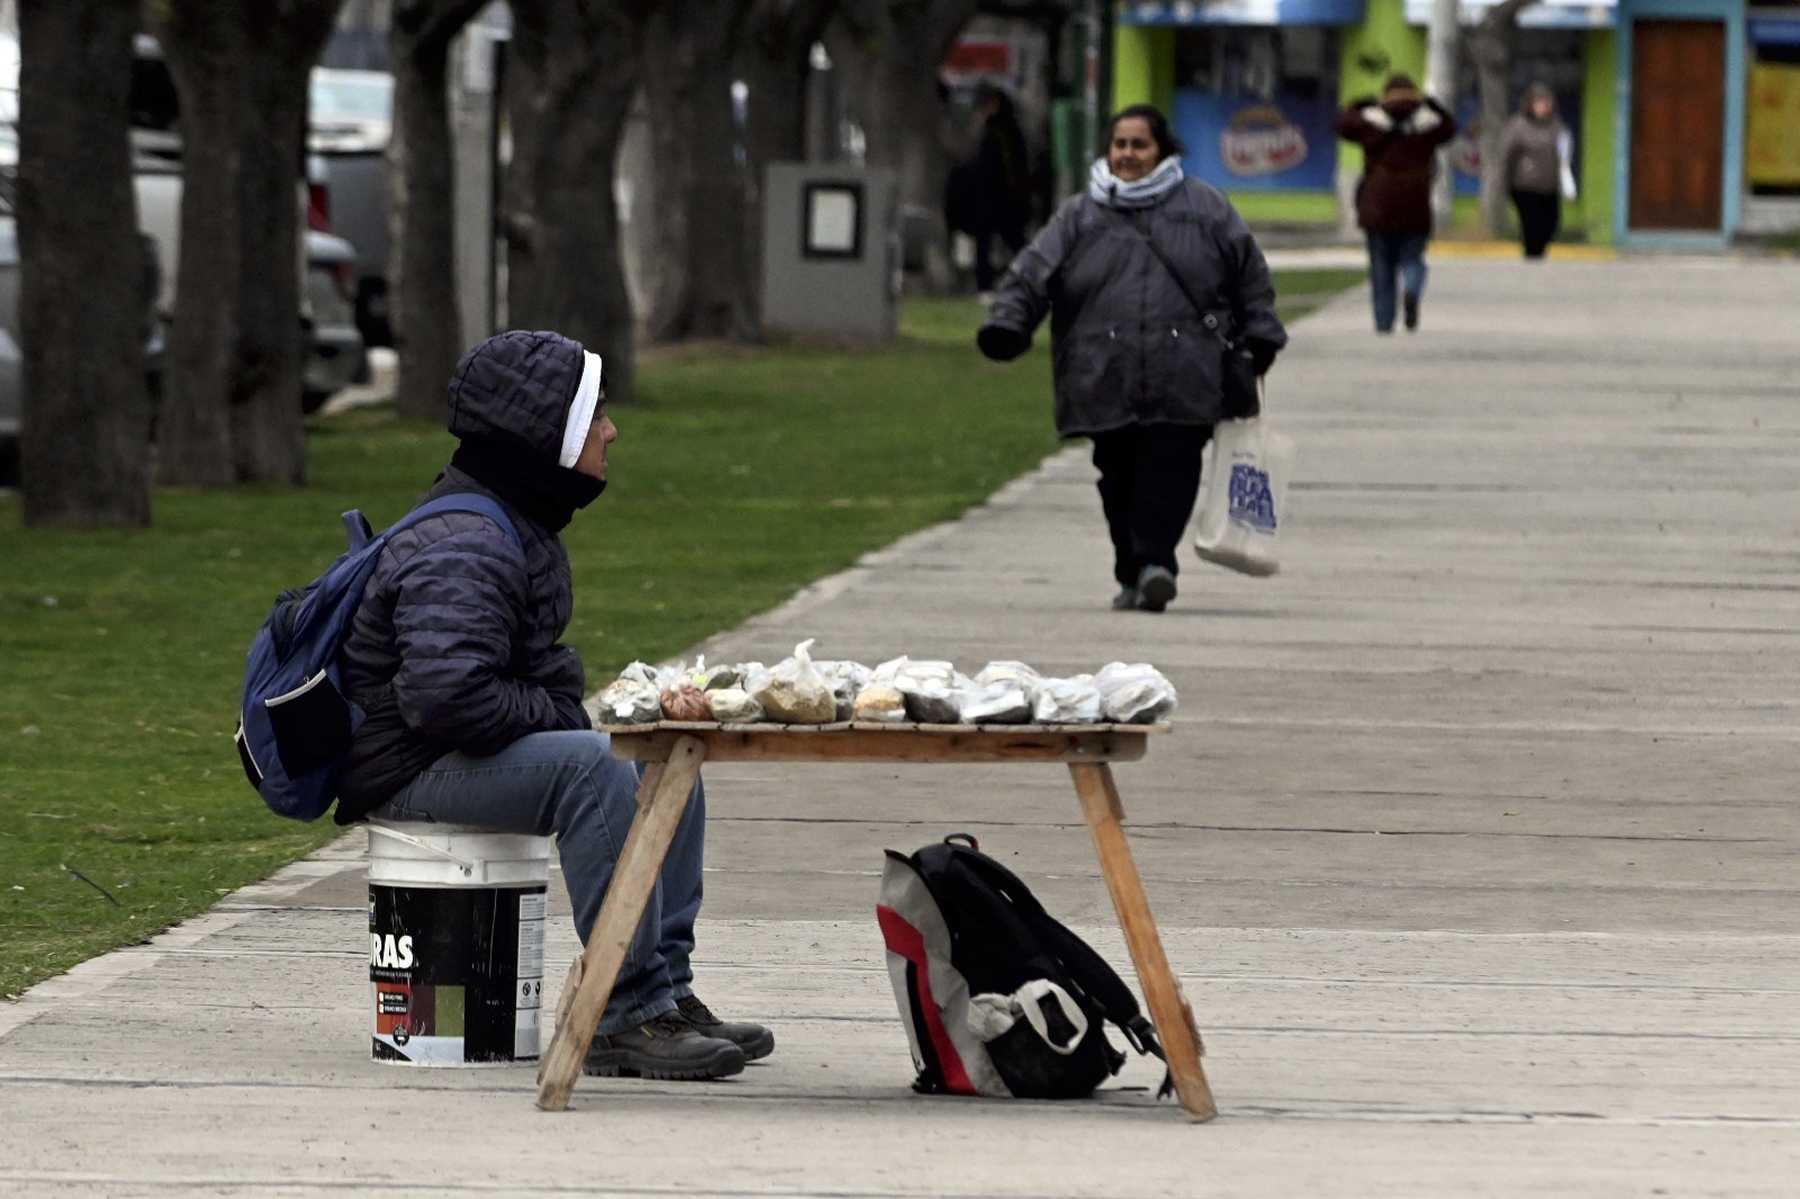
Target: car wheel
{"x":312,"y":401}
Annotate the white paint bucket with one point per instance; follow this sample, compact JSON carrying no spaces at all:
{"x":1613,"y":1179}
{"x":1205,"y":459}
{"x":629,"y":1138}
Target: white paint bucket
{"x":456,"y":943}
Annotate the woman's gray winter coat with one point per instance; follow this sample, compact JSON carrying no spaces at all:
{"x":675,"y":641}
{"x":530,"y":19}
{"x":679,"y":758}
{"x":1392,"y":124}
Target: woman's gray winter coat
{"x":478,"y":617}
{"x":1128,"y":346}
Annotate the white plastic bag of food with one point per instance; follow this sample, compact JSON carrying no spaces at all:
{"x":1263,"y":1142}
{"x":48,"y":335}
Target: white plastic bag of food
{"x":733,"y":705}
{"x":847,"y":679}
{"x":1017,"y":673}
{"x":630,"y":701}
{"x":638,"y":672}
{"x":879,"y":703}
{"x":1068,"y":701}
{"x":794,"y":692}
{"x":1135,"y":693}
{"x":996,"y":703}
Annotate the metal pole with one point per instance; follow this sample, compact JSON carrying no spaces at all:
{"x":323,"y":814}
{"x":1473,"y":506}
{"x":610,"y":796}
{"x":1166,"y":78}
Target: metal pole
{"x":1440,"y":81}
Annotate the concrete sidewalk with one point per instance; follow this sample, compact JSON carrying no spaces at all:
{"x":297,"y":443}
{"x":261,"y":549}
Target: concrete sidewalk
{"x":1475,"y":843}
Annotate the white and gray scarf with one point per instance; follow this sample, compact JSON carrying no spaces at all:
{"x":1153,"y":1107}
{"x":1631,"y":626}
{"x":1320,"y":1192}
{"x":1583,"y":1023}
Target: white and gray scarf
{"x":1108,"y":189}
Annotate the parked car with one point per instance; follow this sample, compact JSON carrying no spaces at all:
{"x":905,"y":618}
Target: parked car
{"x":349,"y":122}
{"x":335,"y":354}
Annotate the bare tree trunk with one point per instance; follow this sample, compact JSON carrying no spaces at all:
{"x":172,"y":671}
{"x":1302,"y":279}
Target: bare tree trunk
{"x":702,"y":282}
{"x":893,"y":49}
{"x":86,"y":412}
{"x":774,"y":59}
{"x":570,"y":79}
{"x":427,"y":317}
{"x":1491,"y":48}
{"x":233,"y":409}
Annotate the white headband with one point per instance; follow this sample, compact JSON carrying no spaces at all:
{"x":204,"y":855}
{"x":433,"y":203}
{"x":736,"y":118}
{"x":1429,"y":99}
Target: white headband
{"x":581,"y":410}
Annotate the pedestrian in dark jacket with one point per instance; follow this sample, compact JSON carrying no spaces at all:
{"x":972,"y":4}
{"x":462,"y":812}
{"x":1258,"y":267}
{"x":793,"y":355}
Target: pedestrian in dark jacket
{"x":473,"y":706}
{"x":1145,"y":276}
{"x":1399,"y":135}
{"x":1000,"y":185}
{"x":1535,"y":152}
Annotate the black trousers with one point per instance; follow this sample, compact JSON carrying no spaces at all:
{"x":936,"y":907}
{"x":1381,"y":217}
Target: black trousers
{"x":1013,"y":234}
{"x":1539,"y":215}
{"x":1149,"y":476}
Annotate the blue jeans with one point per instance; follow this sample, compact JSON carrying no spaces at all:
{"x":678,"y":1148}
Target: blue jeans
{"x":1390,"y":252}
{"x":570,"y":784}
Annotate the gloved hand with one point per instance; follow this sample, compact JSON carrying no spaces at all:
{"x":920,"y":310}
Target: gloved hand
{"x":1002,"y":344}
{"x":1262,"y":354}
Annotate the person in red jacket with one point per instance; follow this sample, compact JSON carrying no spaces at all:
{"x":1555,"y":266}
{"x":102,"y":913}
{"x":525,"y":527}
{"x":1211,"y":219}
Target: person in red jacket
{"x":1399,"y":135}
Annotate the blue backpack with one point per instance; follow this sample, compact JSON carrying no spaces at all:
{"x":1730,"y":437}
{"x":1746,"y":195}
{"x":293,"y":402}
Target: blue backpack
{"x":296,"y":725}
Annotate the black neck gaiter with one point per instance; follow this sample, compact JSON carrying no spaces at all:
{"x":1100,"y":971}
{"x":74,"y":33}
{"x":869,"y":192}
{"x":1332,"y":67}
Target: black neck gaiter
{"x":548,"y":494}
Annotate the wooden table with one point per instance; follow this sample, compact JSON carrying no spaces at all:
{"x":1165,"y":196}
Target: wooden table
{"x":674,"y":752}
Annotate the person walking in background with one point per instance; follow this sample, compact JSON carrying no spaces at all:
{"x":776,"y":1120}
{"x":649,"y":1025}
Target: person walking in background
{"x":1399,"y":135}
{"x":1536,"y":150}
{"x":996,"y":185}
{"x":1145,"y":277}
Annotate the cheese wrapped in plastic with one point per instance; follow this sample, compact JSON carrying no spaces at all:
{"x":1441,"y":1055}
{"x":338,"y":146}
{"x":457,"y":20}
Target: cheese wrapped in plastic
{"x":733,"y":705}
{"x":880,"y":703}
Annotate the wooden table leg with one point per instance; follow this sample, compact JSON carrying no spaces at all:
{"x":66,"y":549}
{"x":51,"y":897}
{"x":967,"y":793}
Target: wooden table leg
{"x":1169,"y":1011}
{"x":662,"y":798}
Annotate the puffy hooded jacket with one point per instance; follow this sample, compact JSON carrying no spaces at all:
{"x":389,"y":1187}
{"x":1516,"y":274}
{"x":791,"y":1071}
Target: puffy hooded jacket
{"x":455,"y":646}
{"x":1128,"y":344}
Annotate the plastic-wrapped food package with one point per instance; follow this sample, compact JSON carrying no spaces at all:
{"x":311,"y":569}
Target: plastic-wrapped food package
{"x":1137,"y":693}
{"x":630,"y":701}
{"x":1017,"y":673}
{"x":933,"y":690}
{"x":933,"y":703}
{"x":638,"y":672}
{"x":794,"y":691}
{"x":847,"y":678}
{"x":684,"y":701}
{"x":879,"y":702}
{"x":723,"y":678}
{"x":734,"y":706}
{"x":996,"y":703}
{"x":1068,"y":701}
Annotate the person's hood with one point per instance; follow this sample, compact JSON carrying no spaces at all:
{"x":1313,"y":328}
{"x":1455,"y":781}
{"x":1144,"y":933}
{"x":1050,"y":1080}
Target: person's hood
{"x":1533,"y":93}
{"x":532,"y":392}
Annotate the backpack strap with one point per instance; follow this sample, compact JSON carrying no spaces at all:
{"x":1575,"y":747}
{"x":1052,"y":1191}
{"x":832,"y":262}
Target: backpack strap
{"x":1088,"y":968}
{"x":461,"y":501}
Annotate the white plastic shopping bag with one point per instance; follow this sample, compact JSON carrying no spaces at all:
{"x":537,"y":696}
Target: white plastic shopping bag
{"x":1244,"y":496}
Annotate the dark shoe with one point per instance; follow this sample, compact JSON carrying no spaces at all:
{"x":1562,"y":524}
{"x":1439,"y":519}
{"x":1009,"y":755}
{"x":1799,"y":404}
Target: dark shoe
{"x":664,"y":1047}
{"x":753,"y":1039}
{"x":1410,"y":305}
{"x":1126,"y":600}
{"x":1156,"y":587}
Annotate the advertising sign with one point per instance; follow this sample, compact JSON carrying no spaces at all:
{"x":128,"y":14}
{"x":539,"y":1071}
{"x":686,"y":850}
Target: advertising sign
{"x":1237,"y":143}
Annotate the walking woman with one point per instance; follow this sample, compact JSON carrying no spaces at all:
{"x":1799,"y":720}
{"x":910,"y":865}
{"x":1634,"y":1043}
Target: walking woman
{"x":1535,"y":152}
{"x":1146,"y":277}
{"x":1399,"y":135}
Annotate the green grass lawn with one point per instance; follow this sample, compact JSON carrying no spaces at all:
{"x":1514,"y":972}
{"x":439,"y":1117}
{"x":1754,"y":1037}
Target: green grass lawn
{"x":741,"y":475}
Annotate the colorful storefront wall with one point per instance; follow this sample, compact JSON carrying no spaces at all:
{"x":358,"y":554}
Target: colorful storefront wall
{"x":1731,"y":14}
{"x":1273,"y":181}
{"x":1274,"y":153}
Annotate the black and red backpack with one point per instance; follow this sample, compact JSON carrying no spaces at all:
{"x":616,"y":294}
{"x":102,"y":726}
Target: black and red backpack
{"x":998,"y":998}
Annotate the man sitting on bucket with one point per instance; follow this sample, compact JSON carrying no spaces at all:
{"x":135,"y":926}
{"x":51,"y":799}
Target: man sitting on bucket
{"x":474,"y":712}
